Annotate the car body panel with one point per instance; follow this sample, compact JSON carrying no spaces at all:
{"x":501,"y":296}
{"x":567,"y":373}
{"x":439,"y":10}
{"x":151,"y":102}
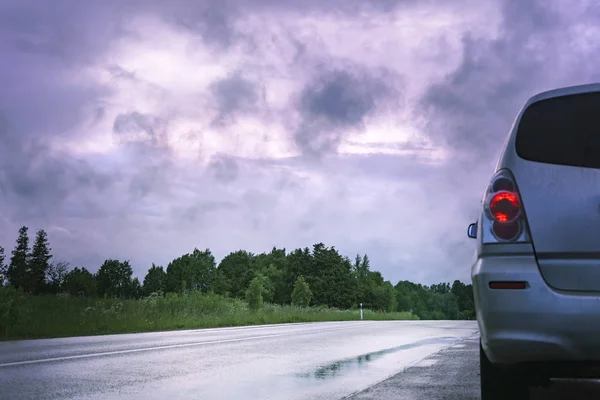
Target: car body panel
{"x":538,"y":323}
{"x":562,"y":207}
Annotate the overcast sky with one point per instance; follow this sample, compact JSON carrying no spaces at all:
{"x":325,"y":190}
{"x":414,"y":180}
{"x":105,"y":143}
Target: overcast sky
{"x":142,"y":129}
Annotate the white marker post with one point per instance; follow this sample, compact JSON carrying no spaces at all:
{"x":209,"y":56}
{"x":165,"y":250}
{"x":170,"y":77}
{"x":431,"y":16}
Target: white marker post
{"x":361,"y":312}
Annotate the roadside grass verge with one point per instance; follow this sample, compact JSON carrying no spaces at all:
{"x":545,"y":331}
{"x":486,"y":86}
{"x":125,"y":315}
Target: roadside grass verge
{"x":25,"y":316}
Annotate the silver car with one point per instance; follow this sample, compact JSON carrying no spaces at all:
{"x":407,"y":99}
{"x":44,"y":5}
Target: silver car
{"x":536,"y":278}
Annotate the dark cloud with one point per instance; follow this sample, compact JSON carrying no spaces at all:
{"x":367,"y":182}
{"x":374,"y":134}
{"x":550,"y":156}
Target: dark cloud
{"x":120,"y":73}
{"x":150,"y":171}
{"x":144,"y":138}
{"x":338,"y":101}
{"x":235,"y":94}
{"x":131,"y":124}
{"x":99,"y":114}
{"x":211,"y":20}
{"x":200,"y":212}
{"x":341,"y":98}
{"x":149,"y":179}
{"x":35,"y":101}
{"x":35,"y":181}
{"x":308,"y":7}
{"x":144,"y":142}
{"x":473,"y":108}
{"x":68,"y":30}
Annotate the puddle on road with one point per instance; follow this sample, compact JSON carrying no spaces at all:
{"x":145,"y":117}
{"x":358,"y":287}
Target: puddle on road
{"x":350,"y":365}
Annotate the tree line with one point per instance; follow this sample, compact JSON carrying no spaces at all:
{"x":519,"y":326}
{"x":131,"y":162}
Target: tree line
{"x":317,"y":276}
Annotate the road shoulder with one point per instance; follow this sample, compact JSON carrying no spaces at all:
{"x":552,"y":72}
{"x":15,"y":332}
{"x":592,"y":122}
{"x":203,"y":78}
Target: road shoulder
{"x":452,"y":373}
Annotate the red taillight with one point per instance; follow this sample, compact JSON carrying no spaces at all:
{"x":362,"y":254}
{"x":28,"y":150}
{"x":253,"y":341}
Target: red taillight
{"x":503,"y":219}
{"x":505,"y":206}
{"x":506,"y":230}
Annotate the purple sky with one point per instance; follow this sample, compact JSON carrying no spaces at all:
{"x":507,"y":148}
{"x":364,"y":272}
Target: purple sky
{"x":142,"y":129}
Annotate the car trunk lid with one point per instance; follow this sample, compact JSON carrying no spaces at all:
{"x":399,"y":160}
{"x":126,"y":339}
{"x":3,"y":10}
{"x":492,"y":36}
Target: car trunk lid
{"x":558,"y":175}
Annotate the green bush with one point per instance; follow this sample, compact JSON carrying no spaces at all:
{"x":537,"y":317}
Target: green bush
{"x":301,"y":295}
{"x":24,"y":316}
{"x":254,"y":294}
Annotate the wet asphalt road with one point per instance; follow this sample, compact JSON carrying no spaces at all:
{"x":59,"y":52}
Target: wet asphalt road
{"x":294,"y":361}
{"x":453,"y":373}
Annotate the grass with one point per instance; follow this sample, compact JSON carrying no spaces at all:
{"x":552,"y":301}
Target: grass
{"x":32,"y":317}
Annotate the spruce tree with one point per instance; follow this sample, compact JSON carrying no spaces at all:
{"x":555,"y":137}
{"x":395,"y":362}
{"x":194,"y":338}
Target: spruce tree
{"x":39,"y":263}
{"x":18,"y":272}
{"x":2,"y":267}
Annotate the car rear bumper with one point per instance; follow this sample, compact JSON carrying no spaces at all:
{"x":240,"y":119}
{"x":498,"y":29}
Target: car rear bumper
{"x":533,"y":324}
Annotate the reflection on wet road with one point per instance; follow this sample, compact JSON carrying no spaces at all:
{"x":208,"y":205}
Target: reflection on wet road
{"x":353,"y":364}
{"x":293,"y":361}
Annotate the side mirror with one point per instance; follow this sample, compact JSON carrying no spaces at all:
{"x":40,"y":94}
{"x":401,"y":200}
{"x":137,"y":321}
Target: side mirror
{"x":472,"y":231}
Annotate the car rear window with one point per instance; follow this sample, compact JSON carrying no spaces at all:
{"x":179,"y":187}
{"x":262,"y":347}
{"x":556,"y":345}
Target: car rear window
{"x":562,"y":130}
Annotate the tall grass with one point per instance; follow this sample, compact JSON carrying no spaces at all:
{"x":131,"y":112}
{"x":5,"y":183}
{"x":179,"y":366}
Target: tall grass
{"x":24,"y":316}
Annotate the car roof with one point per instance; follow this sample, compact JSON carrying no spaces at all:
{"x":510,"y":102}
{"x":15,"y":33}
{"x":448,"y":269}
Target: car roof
{"x":564,"y":91}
